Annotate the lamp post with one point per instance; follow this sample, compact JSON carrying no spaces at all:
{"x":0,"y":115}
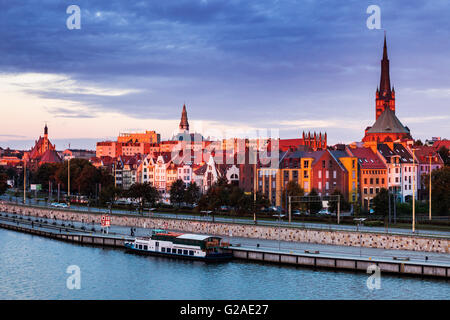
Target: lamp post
{"x":429,"y":187}
{"x":359,"y":223}
{"x":68,"y":179}
{"x":24,"y":182}
{"x":414,"y":194}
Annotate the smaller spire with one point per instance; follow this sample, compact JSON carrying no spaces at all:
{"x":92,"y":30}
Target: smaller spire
{"x":184,"y":124}
{"x":45,"y":130}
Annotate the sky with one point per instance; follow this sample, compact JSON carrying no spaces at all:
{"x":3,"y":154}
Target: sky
{"x":239,"y":66}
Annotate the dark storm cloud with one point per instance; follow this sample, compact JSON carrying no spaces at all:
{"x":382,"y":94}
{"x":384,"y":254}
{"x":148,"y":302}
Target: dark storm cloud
{"x":230,"y":59}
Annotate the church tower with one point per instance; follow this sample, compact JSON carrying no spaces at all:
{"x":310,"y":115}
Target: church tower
{"x":385,"y":95}
{"x":184,"y":124}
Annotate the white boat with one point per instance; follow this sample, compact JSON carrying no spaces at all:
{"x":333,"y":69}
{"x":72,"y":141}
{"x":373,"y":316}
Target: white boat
{"x":181,"y":245}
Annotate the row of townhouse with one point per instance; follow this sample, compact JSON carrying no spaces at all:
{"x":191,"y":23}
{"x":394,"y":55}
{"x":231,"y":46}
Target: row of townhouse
{"x":324,"y":170}
{"x":161,"y":171}
{"x":358,"y":172}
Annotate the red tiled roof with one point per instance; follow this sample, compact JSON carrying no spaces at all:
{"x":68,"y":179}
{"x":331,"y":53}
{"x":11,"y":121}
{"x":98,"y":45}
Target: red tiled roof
{"x":367,"y":158}
{"x":422,"y":153}
{"x":441,"y":143}
{"x":50,"y":156}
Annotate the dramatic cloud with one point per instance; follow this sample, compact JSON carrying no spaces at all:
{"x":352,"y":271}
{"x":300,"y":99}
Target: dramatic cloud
{"x":299,"y":64}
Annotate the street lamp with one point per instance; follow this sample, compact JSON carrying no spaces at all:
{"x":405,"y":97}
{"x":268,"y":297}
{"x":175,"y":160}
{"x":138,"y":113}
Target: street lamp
{"x":429,"y":187}
{"x":359,"y":221}
{"x":414,"y":194}
{"x":24,"y":182}
{"x":68,"y":179}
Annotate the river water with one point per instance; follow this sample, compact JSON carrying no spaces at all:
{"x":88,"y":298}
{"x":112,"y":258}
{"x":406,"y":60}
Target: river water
{"x":33,"y":267}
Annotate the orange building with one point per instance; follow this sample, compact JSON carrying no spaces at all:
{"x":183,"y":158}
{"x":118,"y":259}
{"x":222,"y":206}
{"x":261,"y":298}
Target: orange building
{"x":146,"y":137}
{"x":108,"y":149}
{"x":372,"y":173}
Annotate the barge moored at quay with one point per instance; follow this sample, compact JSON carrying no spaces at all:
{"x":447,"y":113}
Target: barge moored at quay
{"x":181,"y":245}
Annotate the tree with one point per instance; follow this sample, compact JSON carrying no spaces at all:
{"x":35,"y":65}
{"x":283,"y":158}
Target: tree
{"x":315,"y":206}
{"x":440,"y":191}
{"x":444,"y":153}
{"x":343,"y":204}
{"x":144,"y":193}
{"x":3,"y":183}
{"x":293,"y":190}
{"x":418,"y":143}
{"x":177,"y":192}
{"x":110,"y":194}
{"x":381,"y":202}
{"x":192,"y":194}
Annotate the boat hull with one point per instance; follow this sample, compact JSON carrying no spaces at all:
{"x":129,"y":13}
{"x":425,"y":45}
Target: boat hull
{"x":216,"y":257}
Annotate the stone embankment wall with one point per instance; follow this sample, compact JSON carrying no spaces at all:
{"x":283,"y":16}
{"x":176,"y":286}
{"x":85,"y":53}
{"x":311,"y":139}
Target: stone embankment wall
{"x":342,"y":238}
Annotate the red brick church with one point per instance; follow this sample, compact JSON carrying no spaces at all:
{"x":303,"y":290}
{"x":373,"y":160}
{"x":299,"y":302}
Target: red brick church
{"x":42,"y":152}
{"x":387,"y":127}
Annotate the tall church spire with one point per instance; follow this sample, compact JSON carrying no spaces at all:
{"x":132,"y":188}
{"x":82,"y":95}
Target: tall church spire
{"x":184,"y":124}
{"x":385,"y":81}
{"x":385,"y":96}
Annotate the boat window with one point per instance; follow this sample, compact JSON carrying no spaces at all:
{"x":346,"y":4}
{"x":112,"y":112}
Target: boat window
{"x":157,"y":244}
{"x":180,"y":251}
{"x":168,"y":250}
{"x":185,"y":252}
{"x":145,"y":247}
{"x":140,"y":246}
{"x":163,"y":249}
{"x":191,"y":253}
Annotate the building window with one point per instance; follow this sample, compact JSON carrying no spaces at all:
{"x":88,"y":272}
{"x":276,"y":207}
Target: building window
{"x":371,"y":190}
{"x":334,"y":174}
{"x":305,"y":164}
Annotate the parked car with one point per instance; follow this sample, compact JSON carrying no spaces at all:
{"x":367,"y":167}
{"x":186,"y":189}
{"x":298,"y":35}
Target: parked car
{"x":279,"y":215}
{"x":59,"y":205}
{"x":298,"y":212}
{"x":324,"y":211}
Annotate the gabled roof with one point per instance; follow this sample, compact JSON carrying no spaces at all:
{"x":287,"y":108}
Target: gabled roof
{"x":50,"y":156}
{"x":388,"y":122}
{"x":405,"y":155}
{"x":367,"y":159}
{"x":422,"y":154}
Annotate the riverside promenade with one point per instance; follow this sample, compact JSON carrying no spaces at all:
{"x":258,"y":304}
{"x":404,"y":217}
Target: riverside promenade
{"x":300,"y":254}
{"x":367,"y":239}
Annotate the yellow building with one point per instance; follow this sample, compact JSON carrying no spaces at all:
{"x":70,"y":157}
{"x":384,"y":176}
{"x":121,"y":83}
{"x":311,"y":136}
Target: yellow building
{"x":272,"y":181}
{"x":351,"y":165}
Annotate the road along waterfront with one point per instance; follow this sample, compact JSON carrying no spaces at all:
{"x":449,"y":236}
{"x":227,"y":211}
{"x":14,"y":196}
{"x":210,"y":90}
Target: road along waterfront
{"x":430,"y":243}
